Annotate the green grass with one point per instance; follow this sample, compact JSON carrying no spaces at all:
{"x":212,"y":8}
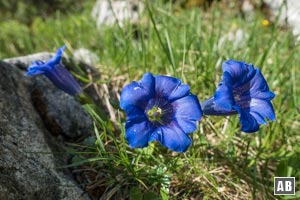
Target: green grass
{"x":222,"y":163}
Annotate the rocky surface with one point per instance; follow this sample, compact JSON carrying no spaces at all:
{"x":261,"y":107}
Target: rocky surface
{"x":35,"y":119}
{"x":62,"y":115}
{"x":24,"y":61}
{"x":83,"y":55}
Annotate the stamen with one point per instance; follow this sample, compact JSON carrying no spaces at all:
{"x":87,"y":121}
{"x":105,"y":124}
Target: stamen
{"x":159,"y":111}
{"x":155,"y":113}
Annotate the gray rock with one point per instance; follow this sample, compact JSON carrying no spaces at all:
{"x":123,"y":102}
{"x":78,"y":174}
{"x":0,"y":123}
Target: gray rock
{"x":83,"y":55}
{"x":24,"y":61}
{"x":29,"y":166}
{"x":61,"y":113}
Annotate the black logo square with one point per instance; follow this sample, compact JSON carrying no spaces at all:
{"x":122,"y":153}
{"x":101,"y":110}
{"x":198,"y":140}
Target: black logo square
{"x":284,"y":185}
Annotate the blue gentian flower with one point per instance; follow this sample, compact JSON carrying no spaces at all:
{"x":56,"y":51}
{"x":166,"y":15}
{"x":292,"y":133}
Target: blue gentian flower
{"x":243,"y":90}
{"x":160,"y":108}
{"x":56,"y":73}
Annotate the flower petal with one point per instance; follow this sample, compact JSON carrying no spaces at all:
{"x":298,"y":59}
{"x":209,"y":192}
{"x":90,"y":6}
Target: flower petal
{"x":57,"y":57}
{"x":262,"y":108}
{"x":223,"y":96}
{"x":172,"y":136}
{"x":36,"y":70}
{"x":170,"y":88}
{"x":135,"y":113}
{"x":209,"y":108}
{"x":187,"y":113}
{"x":258,"y":117}
{"x":239,"y":71}
{"x":259,"y":87}
{"x":248,"y":122}
{"x":63,"y":79}
{"x":138,"y":93}
{"x":258,"y":108}
{"x":138,"y":132}
{"x":37,"y":67}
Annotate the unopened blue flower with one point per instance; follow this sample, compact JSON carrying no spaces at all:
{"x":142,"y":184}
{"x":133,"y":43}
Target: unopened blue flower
{"x":160,"y":108}
{"x":56,"y":73}
{"x":242,"y":90}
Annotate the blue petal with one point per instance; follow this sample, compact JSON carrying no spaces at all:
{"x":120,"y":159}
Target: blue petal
{"x":138,"y":93}
{"x":134,"y":113}
{"x":209,"y":108}
{"x":36,"y":70}
{"x":258,"y":108}
{"x":56,"y":59}
{"x":223,"y":96}
{"x":248,"y":122}
{"x":239,"y":71}
{"x":62,"y":78}
{"x":187,"y":113}
{"x":234,"y":68}
{"x":138,"y":132}
{"x":259,"y":87}
{"x":170,"y":88}
{"x":258,"y":118}
{"x":263,"y":109}
{"x":172,"y":137}
{"x":37,"y":67}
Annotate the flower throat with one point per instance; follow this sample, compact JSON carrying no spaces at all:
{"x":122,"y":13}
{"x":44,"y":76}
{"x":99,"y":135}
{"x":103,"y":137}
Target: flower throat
{"x":159,"y":111}
{"x":155,"y":114}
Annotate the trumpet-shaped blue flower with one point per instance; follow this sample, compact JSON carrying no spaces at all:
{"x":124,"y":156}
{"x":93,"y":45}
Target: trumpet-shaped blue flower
{"x":160,"y":108}
{"x":56,"y":73}
{"x":242,"y":90}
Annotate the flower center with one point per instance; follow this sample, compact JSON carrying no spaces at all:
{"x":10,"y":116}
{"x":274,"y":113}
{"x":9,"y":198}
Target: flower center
{"x":241,"y":95}
{"x":155,"y":114}
{"x":159,"y":111}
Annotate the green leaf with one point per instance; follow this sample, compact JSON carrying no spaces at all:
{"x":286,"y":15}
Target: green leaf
{"x":136,"y":194}
{"x":164,"y":194}
{"x":151,"y":196}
